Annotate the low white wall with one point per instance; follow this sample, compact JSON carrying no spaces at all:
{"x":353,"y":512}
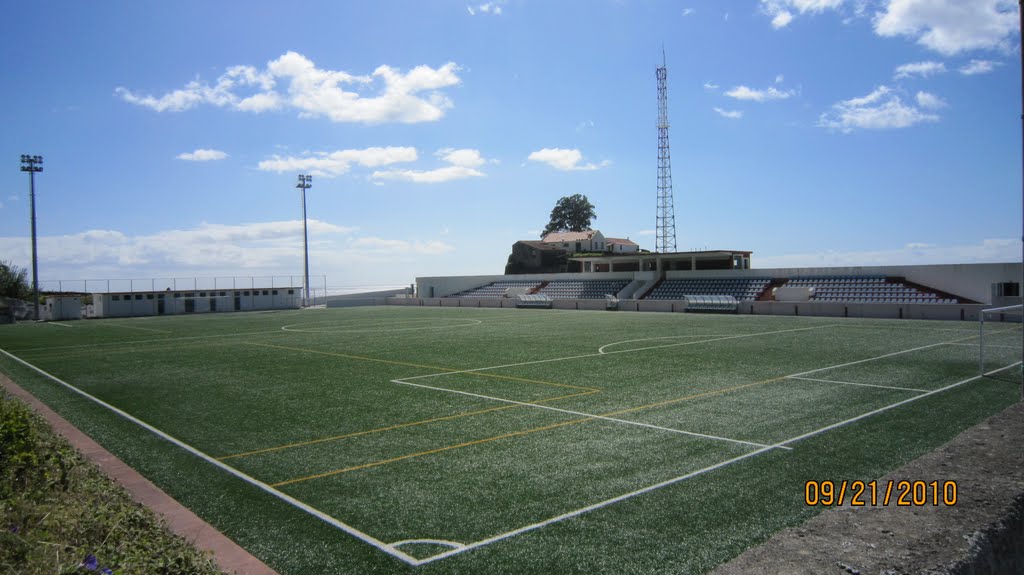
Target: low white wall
{"x":965,"y":312}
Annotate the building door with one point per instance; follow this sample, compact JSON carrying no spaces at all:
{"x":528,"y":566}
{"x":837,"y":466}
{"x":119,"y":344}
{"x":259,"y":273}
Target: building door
{"x":213,"y":304}
{"x":160,"y":306}
{"x":238,"y":303}
{"x":190,"y":305}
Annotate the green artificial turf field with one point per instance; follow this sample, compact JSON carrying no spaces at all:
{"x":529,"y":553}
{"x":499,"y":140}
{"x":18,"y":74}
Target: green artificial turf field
{"x":450,"y":440}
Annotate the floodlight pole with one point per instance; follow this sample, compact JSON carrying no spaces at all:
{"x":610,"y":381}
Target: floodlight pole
{"x":33,"y":164}
{"x":306,"y":182}
{"x":1020,"y":286}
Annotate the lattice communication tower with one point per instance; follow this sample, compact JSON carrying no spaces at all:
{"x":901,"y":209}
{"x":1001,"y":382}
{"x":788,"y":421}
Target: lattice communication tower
{"x":665,"y":240}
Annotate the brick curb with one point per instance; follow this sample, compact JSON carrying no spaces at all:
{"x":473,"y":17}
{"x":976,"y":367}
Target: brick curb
{"x":230,"y":557}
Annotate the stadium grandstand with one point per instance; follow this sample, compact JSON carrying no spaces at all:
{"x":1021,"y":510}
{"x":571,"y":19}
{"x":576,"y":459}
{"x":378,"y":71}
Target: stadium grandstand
{"x":673,"y":282}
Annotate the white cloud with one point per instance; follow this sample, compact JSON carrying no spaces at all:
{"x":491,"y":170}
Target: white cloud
{"x":647,"y":233}
{"x":565,"y":160}
{"x":488,"y":8}
{"x":917,"y":253}
{"x":782,"y":19}
{"x":745,"y":93}
{"x":975,"y":67}
{"x":464,"y":164}
{"x":409,"y":97}
{"x":779,"y":78}
{"x":930,"y":101}
{"x":731,"y":114}
{"x":202,"y":155}
{"x":921,"y":69}
{"x":782,"y":12}
{"x":709,"y":86}
{"x":687,"y":11}
{"x":950,"y":26}
{"x":209,"y":246}
{"x":330,"y":164}
{"x":882,"y":109}
{"x":255,"y":249}
{"x":584,"y":125}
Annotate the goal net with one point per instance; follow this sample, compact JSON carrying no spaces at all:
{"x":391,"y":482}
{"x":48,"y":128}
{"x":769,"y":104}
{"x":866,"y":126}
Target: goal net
{"x":999,"y":337}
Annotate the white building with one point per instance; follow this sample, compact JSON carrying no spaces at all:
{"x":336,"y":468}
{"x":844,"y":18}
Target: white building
{"x":622,"y":246}
{"x":577,"y":242}
{"x":170,"y":302}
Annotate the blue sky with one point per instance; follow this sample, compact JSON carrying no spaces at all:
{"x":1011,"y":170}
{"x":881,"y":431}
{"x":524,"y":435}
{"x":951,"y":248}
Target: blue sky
{"x":811,"y":132}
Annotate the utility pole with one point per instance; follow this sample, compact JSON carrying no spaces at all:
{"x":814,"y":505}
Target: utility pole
{"x":306,"y":182}
{"x":33,"y":164}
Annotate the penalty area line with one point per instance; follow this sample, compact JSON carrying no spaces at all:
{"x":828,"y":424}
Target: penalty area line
{"x":630,"y":495}
{"x":364,"y":537}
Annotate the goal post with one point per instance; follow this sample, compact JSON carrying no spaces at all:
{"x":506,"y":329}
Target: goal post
{"x":999,"y":347}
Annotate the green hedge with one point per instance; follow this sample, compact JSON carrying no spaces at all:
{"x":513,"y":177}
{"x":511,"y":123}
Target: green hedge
{"x":60,"y":514}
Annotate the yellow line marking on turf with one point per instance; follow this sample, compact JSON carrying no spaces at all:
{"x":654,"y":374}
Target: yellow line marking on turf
{"x":428,"y":452}
{"x":392,"y":427}
{"x":430,"y":367}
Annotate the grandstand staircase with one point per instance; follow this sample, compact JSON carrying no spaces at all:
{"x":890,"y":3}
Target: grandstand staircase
{"x":645,"y":290}
{"x":766,"y":295}
{"x":537,"y":289}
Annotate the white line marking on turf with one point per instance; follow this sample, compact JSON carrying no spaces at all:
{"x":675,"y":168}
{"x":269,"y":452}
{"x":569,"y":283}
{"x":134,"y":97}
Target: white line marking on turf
{"x":389,"y":549}
{"x":446,"y":543}
{"x":589,"y":508}
{"x":586,"y":355}
{"x":135,"y":327}
{"x":601,"y":349}
{"x":370,"y":328}
{"x":57,"y":323}
{"x":160,"y":340}
{"x":862,"y":384}
{"x":692,"y":474}
{"x":723,"y":338}
{"x":1016,"y":347}
{"x":581,"y":413}
{"x":897,"y":404}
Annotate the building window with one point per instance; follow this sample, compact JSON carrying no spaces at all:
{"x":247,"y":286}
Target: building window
{"x":177,"y":295}
{"x":222,"y":294}
{"x":1008,"y":289}
{"x":138,"y":296}
{"x":274,"y":292}
{"x":202,"y":294}
{"x":291,"y":292}
{"x":115,"y":298}
{"x":245,"y":293}
{"x":149,"y":296}
{"x":265,"y":292}
{"x":160,"y":296}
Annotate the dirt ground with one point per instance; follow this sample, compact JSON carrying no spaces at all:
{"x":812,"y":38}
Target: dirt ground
{"x":982,"y":533}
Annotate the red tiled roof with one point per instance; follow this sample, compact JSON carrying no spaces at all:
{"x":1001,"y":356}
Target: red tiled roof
{"x":625,"y":242}
{"x":568,"y":236}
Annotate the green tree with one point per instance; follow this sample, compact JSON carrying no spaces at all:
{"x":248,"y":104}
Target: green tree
{"x":13,"y":281}
{"x":571,"y":214}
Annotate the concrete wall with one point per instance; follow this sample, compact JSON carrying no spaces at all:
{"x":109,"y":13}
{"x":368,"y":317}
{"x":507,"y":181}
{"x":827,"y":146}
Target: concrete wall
{"x":965,"y":312}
